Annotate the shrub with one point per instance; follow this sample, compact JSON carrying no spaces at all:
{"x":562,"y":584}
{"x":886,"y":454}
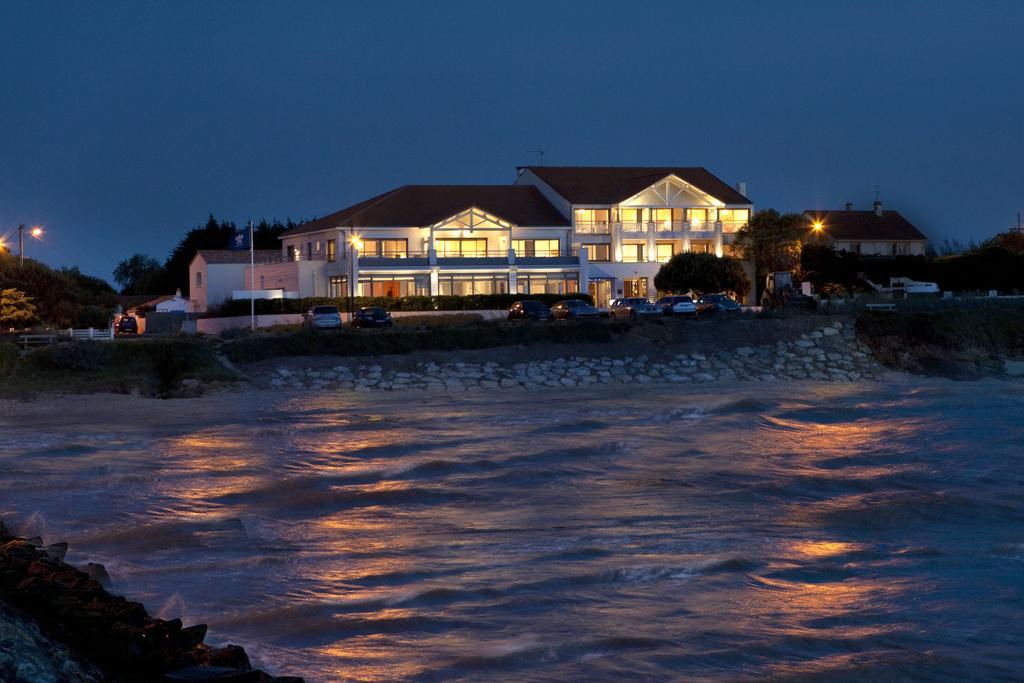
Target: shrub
{"x":8,"y":358}
{"x":474,"y":302}
{"x":73,"y":355}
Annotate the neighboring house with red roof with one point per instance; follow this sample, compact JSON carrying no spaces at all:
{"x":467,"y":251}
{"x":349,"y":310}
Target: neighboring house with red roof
{"x":879,"y":232}
{"x":558,"y":230}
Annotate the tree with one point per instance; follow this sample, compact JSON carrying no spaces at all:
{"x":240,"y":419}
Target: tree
{"x":701,"y":273}
{"x":139,"y":274}
{"x":771,"y":241}
{"x":16,"y":307}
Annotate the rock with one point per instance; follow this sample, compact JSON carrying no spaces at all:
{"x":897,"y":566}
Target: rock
{"x":744,"y":351}
{"x":284,"y":372}
{"x":704,"y":377}
{"x":830,"y":331}
{"x":98,"y":573}
{"x":57,"y":551}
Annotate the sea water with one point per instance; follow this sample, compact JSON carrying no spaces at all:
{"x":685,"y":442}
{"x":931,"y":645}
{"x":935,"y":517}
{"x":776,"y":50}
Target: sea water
{"x":824,"y":532}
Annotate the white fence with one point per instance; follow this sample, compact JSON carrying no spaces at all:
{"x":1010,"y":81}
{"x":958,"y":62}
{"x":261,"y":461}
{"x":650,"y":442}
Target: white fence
{"x":218,"y":325}
{"x":88,"y":333}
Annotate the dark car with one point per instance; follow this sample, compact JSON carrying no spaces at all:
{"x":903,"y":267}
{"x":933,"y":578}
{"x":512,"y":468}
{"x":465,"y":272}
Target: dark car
{"x":720,"y":302}
{"x":371,"y":316}
{"x":322,"y":318}
{"x":574,"y":309}
{"x":529,"y":310}
{"x":632,"y":308}
{"x":127,"y":324}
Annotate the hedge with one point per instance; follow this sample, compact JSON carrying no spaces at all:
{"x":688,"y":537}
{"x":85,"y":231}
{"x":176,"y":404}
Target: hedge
{"x":474,"y":302}
{"x":406,"y":340}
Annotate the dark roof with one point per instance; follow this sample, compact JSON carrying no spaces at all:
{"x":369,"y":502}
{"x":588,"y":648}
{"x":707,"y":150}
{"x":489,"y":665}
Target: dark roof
{"x":421,"y":205}
{"x":865,"y":225}
{"x":231,"y":256}
{"x":612,"y":184}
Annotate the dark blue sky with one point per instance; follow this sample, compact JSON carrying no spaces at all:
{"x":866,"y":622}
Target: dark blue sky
{"x":124,"y":124}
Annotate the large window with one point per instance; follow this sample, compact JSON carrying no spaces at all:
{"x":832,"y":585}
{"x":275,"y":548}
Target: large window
{"x":447,"y":248}
{"x":664,"y":251}
{"x":662,"y":219}
{"x":472,"y":283}
{"x":332,"y":250}
{"x":698,"y":218}
{"x":632,"y":253}
{"x":337,"y":287}
{"x":546,"y":283}
{"x":733,"y":219}
{"x":592,"y":221}
{"x":394,"y":285}
{"x":535,"y":247}
{"x":385,"y":248}
{"x":599,"y":252}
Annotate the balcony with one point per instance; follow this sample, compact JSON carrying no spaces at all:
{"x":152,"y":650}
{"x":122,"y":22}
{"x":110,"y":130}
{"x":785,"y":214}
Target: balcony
{"x":632,"y":227}
{"x":594,"y":228}
{"x":394,"y":259}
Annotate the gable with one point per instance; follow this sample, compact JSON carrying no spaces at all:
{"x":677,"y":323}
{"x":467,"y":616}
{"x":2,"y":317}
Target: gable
{"x":671,"y":191}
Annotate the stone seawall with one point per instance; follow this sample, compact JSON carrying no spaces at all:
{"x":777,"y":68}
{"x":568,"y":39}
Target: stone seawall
{"x":831,"y":353}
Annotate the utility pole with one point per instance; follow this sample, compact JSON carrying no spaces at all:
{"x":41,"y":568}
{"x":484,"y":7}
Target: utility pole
{"x":21,"y":244}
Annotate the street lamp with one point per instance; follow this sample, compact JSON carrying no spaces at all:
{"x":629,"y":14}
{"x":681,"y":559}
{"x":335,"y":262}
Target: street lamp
{"x":36,"y":232}
{"x":354,"y":243}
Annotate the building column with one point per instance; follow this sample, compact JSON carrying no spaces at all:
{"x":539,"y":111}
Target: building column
{"x":434,"y":287}
{"x":513,"y":280}
{"x":651,"y":256}
{"x":584,"y":272}
{"x":616,"y":242}
{"x":718,"y":240}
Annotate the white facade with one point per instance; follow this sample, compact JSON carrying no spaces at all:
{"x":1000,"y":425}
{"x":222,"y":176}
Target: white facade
{"x":628,"y":241}
{"x":473,"y":252}
{"x":561,"y":247}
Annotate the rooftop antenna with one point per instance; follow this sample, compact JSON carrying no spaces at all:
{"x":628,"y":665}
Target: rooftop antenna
{"x":540,"y":155}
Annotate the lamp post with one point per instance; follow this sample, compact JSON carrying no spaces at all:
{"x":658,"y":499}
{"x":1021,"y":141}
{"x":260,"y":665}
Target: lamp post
{"x":36,"y":232}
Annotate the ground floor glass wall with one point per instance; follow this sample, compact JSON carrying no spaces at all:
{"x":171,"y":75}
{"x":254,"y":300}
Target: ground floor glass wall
{"x":394,"y":285}
{"x":471,"y":283}
{"x":546,"y":283}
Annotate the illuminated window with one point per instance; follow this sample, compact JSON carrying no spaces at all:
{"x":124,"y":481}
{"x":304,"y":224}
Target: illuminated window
{"x":599,"y":252}
{"x":697,"y":216}
{"x":546,"y":283}
{"x":337,"y":287}
{"x":385,"y":248}
{"x":535,"y":247}
{"x":332,"y":250}
{"x":464,"y":285}
{"x":632,"y":253}
{"x":664,"y":251}
{"x":462,"y":248}
{"x":733,"y":219}
{"x":199,"y":279}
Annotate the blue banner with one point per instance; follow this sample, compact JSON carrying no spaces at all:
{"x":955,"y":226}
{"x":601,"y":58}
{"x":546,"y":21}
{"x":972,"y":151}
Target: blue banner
{"x":240,"y":240}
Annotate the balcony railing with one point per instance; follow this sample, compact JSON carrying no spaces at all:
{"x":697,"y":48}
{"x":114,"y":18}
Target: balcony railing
{"x":593,"y":228}
{"x":395,"y":254}
{"x":632,"y":227}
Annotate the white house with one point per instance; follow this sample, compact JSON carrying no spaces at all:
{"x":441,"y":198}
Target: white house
{"x":605,"y":230}
{"x":214,"y":274}
{"x":630,"y":220}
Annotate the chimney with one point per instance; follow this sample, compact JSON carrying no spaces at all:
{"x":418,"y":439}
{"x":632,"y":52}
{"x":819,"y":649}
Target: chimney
{"x":878,"y":208}
{"x":849,"y":206}
{"x":741,"y":188}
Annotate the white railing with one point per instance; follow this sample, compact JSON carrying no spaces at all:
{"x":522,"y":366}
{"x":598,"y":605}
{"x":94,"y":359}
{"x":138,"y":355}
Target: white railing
{"x":88,"y":333}
{"x":593,"y":228}
{"x":632,"y":226}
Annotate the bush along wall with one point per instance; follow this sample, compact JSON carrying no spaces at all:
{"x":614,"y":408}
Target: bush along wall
{"x":474,"y":302}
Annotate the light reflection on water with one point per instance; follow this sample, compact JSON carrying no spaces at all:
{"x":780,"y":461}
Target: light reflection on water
{"x":825,"y":532}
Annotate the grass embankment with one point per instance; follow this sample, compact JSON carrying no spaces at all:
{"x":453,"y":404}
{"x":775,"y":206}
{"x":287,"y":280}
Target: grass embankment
{"x":153,"y":367}
{"x":407,"y":339}
{"x":957,"y":340}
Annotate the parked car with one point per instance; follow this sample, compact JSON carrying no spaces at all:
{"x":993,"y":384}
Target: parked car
{"x":666,"y":304}
{"x":126,"y":324}
{"x":720,"y":302}
{"x":686,"y":306}
{"x":322,"y":318}
{"x":574,"y":309}
{"x":371,"y":316}
{"x":632,"y":308}
{"x":529,"y":310}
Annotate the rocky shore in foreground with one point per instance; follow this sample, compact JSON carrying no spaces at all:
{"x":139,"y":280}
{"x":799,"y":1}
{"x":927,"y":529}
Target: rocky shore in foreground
{"x":830,"y":353}
{"x":58,"y":623}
